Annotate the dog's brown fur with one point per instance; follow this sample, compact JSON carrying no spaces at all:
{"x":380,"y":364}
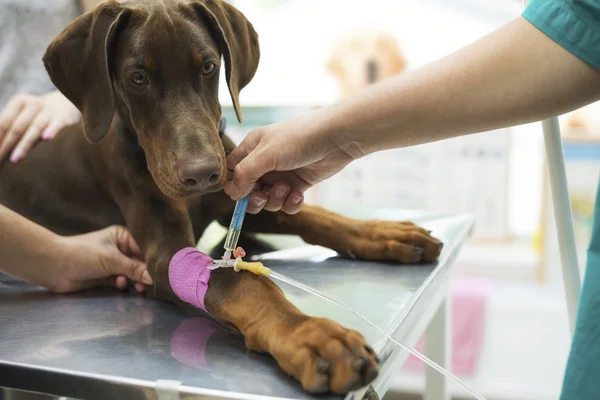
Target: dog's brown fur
{"x":156,"y":128}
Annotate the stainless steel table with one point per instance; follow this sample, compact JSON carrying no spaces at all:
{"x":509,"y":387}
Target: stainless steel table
{"x":104,"y":344}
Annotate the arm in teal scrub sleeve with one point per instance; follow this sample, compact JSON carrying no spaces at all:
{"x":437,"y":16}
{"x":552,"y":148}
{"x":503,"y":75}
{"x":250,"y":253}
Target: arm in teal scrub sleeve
{"x":575,"y":25}
{"x":514,"y":75}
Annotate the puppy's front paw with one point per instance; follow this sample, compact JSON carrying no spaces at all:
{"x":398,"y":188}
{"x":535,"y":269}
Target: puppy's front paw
{"x":324,"y":356}
{"x":390,"y":240}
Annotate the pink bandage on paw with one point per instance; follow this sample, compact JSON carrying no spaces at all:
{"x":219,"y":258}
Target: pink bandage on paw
{"x":189,"y":275}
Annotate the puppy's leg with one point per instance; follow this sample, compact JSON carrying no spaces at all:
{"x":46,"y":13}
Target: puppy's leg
{"x":162,"y":227}
{"x":321,"y":354}
{"x":370,"y":240}
{"x":318,"y":352}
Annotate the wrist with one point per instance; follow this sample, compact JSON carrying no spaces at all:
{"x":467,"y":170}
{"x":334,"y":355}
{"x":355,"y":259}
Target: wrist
{"x":58,"y":260}
{"x":43,"y":264}
{"x":312,"y":132}
{"x":339,"y":136}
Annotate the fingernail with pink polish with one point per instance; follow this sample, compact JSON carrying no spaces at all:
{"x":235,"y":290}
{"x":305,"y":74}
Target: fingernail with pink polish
{"x":16,"y":156}
{"x":47,"y":135}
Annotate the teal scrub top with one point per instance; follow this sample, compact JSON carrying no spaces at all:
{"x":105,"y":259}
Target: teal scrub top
{"x":575,"y":25}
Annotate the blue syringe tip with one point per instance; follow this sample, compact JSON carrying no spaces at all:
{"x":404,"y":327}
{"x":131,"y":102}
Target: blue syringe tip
{"x":239,"y":213}
{"x":235,"y":227}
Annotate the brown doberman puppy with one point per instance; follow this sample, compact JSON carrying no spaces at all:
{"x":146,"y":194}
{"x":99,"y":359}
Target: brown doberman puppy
{"x":144,"y":75}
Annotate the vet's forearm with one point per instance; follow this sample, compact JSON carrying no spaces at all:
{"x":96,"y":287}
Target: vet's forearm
{"x":27,"y":250}
{"x":512,"y":76}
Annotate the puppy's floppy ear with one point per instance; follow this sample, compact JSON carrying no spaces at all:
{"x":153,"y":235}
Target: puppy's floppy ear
{"x":388,"y":44}
{"x":334,"y":64}
{"x":79,"y":64}
{"x":238,"y":41}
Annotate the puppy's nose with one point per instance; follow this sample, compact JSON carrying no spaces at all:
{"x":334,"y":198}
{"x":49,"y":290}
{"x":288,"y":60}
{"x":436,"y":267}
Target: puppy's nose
{"x":199,"y":173}
{"x":372,"y":72}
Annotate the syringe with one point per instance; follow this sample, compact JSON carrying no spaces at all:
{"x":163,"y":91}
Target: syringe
{"x":235,"y":227}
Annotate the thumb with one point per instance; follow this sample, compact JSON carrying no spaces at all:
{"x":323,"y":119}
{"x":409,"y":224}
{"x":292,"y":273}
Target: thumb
{"x":249,"y":162}
{"x":247,"y":173}
{"x":133,"y":269}
{"x":247,"y":146}
{"x":125,"y":243}
{"x":126,"y":260}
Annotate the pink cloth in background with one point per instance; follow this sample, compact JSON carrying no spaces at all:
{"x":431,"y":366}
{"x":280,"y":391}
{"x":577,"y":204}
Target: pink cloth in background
{"x":469,"y":297}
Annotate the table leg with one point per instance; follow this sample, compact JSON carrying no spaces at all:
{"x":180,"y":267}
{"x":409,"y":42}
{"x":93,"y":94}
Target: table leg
{"x":562,"y":213}
{"x":438,"y":348}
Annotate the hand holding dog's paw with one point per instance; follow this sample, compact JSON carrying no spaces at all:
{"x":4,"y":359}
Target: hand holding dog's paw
{"x":390,"y":240}
{"x":109,"y":256}
{"x":324,"y":356}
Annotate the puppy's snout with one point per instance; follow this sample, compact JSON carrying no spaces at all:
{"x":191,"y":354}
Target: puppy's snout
{"x":372,"y":71}
{"x":199,"y":173}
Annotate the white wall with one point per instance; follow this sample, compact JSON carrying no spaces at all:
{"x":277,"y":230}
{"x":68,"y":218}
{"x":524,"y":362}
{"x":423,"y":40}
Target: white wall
{"x":298,"y":36}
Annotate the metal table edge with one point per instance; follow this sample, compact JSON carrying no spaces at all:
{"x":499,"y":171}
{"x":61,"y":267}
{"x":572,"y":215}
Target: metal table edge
{"x":394,"y":354}
{"x":79,"y":379}
{"x":386,"y":349}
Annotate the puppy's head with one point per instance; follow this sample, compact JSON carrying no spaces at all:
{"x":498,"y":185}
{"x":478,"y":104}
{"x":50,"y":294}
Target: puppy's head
{"x":157,"y":63}
{"x":361,"y":60}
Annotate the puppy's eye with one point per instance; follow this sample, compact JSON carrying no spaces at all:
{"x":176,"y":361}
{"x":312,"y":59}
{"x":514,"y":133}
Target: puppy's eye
{"x":207,"y":68}
{"x":138,"y":78}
